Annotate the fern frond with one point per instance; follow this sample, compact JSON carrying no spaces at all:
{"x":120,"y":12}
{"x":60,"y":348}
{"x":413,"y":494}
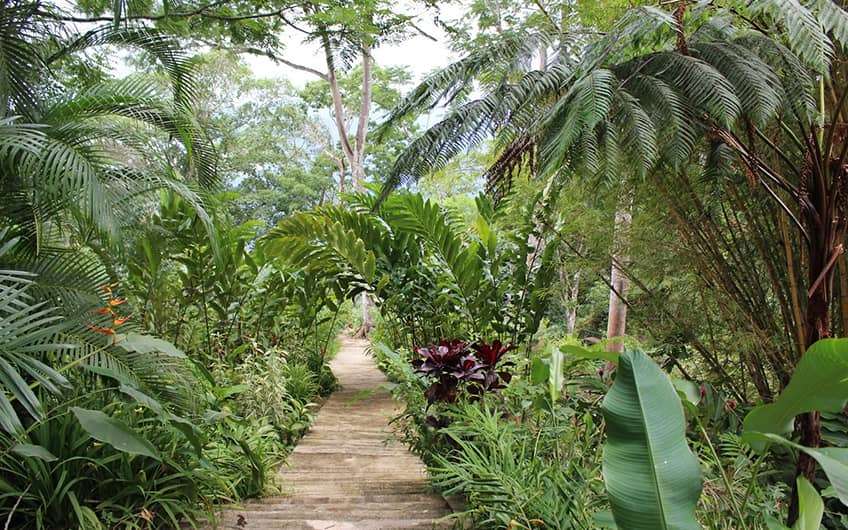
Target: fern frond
{"x":756,"y":84}
{"x":449,"y":83}
{"x":804,"y":32}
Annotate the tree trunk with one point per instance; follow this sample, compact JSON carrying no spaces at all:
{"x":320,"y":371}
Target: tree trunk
{"x":354,"y":153}
{"x":357,"y":171}
{"x":826,"y":227}
{"x":367,"y":319}
{"x":617,"y":314}
{"x":573,"y":292}
{"x":357,"y":164}
{"x":843,"y":293}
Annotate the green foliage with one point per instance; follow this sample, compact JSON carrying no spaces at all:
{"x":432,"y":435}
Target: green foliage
{"x":505,"y":477}
{"x":821,"y":368}
{"x":300,"y":382}
{"x":413,"y":253}
{"x":274,"y":155}
{"x":88,"y":485}
{"x":811,"y":506}
{"x":113,"y":432}
{"x":652,"y":476}
{"x":129,"y":296}
{"x":824,"y":367}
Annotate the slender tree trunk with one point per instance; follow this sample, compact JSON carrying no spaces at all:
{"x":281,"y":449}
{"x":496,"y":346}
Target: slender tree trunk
{"x":843,"y":293}
{"x":617,"y":314}
{"x":358,"y":170}
{"x":573,"y":292}
{"x":357,"y":164}
{"x":354,"y":152}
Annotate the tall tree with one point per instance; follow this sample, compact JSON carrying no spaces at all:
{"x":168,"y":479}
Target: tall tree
{"x":346,"y":32}
{"x":619,"y":282}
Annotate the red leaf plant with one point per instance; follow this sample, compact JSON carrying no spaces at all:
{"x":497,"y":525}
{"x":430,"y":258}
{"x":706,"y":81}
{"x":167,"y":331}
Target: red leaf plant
{"x":452,"y":363}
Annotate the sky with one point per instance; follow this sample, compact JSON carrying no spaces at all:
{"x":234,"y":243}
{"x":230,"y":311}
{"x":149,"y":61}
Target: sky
{"x":420,"y":54}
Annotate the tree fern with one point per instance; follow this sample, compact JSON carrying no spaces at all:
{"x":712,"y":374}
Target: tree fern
{"x":757,"y":86}
{"x":803,"y":30}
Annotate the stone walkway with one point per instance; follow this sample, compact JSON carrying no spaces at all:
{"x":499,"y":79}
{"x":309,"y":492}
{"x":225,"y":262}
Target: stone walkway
{"x":348,"y":472}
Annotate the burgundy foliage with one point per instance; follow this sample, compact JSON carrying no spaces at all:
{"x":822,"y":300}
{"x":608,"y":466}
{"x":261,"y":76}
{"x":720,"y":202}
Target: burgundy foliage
{"x":450,"y":364}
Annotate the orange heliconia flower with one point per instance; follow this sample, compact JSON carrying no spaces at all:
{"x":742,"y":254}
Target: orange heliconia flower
{"x":100,"y":329}
{"x":120,"y":320}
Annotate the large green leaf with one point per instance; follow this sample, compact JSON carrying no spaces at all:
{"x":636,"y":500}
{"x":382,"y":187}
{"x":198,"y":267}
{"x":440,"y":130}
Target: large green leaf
{"x":114,"y":432}
{"x":833,"y":460}
{"x":556,"y":378}
{"x":810,"y":506}
{"x":34,"y":451}
{"x":820,"y":382}
{"x":135,"y":342}
{"x":652,"y":478}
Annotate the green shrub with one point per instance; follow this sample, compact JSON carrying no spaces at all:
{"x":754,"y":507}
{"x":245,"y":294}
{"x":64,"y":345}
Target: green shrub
{"x":87,"y":484}
{"x":508,"y":474}
{"x":301,"y":382}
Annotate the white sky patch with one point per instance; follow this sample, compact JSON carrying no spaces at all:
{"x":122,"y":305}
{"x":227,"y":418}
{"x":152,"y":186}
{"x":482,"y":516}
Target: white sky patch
{"x":418,"y":53}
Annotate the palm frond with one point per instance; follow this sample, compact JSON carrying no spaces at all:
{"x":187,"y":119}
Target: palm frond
{"x":507,"y":112}
{"x":29,"y":329}
{"x":456,"y":80}
{"x":19,"y":60}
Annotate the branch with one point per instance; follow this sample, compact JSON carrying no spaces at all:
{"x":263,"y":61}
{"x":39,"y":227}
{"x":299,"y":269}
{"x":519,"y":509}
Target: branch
{"x":300,"y":67}
{"x":546,"y":14}
{"x":422,"y":32}
{"x":202,"y":10}
{"x":266,"y":53}
{"x":365,"y":109}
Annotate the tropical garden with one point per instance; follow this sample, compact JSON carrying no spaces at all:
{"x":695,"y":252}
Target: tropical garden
{"x":597,"y":247}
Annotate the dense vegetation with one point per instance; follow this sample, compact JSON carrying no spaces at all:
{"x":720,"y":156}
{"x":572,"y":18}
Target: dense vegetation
{"x":607,"y":280}
{"x":153,"y":363}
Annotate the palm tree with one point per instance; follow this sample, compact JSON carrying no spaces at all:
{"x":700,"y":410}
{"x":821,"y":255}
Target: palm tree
{"x":733,"y":112}
{"x":76,"y":168}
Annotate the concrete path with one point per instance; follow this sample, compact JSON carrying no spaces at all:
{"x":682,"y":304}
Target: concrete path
{"x":348,"y":472}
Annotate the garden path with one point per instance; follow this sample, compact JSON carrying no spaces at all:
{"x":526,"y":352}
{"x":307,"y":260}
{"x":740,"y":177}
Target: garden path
{"x":348,"y":472}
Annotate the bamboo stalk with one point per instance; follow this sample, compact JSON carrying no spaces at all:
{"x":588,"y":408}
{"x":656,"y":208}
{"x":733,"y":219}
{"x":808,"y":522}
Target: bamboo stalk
{"x":800,"y":332}
{"x":843,"y":293}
